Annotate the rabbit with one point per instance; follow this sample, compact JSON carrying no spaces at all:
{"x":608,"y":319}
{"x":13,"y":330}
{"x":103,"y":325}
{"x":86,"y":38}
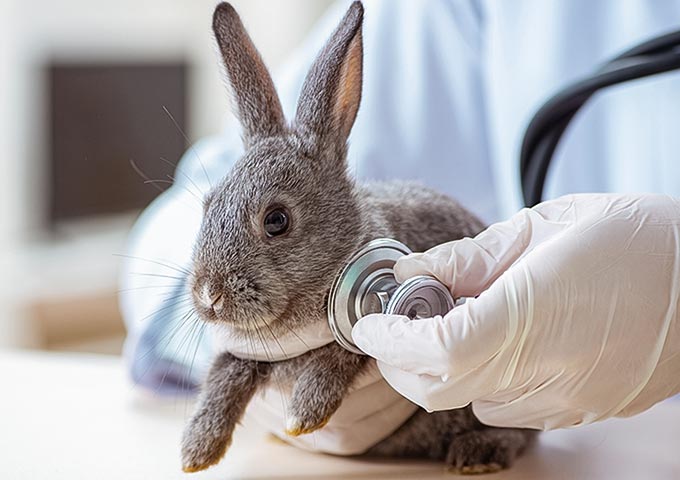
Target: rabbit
{"x":276,"y":231}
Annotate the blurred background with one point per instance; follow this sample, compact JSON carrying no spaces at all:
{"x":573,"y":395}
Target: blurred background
{"x":84,"y":89}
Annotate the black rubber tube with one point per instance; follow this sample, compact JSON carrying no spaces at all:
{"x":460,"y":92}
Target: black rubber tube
{"x":659,"y":55}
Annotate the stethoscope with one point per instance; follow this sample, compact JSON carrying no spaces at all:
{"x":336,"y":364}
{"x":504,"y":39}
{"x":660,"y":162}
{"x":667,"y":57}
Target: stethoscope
{"x":366,"y":283}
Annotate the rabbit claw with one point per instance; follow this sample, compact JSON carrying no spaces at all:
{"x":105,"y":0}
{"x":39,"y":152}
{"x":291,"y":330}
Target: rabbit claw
{"x":296,"y":426}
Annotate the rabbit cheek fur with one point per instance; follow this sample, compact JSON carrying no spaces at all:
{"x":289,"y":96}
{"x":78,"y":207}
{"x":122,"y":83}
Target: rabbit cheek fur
{"x":264,"y":287}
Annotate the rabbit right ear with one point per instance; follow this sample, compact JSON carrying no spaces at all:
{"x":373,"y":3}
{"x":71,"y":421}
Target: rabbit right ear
{"x":258,"y":106}
{"x":331,"y":92}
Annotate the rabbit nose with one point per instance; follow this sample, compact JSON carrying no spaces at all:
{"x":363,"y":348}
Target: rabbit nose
{"x":218,"y":302}
{"x":212,"y":299}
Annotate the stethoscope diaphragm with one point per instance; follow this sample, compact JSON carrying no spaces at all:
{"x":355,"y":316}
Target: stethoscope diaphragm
{"x":367,"y":285}
{"x":420,"y":297}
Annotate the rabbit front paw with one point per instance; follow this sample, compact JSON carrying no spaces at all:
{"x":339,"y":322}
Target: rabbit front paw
{"x":308,"y":413}
{"x":318,"y":394}
{"x":204,"y":443}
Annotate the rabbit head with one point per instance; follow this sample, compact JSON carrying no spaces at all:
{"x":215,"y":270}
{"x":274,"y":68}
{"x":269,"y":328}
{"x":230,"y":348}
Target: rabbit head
{"x":280,"y":225}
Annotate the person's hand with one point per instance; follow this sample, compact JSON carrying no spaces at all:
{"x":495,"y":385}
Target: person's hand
{"x":575,"y":320}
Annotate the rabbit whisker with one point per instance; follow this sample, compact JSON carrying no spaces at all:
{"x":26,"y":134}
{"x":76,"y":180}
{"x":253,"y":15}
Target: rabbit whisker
{"x":179,"y":170}
{"x":176,"y":268}
{"x":152,"y":348}
{"x":180,"y":347}
{"x":145,"y":287}
{"x":168,"y":335}
{"x":191,"y":145}
{"x":276,"y":340}
{"x":144,"y":176}
{"x":170,"y":303}
{"x":158,"y":181}
{"x":275,"y":378}
{"x":194,"y":340}
{"x":158,"y":275}
{"x":291,"y":330}
{"x":173,"y":181}
{"x":198,"y":341}
{"x":154,"y":183}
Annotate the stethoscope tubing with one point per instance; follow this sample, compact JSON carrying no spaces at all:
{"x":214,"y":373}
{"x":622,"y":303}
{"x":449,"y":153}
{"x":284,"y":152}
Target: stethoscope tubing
{"x":655,"y":56}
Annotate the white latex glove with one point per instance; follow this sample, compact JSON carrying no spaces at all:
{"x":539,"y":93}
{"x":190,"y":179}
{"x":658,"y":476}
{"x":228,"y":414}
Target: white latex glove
{"x":576,"y":318}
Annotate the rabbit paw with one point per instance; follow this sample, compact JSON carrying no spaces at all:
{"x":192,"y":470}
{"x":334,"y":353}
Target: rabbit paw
{"x":204,"y":443}
{"x":482,"y":451}
{"x":296,"y":426}
{"x":308,"y":413}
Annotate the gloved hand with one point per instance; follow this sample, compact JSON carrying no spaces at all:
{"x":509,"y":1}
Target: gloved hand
{"x":575,"y":320}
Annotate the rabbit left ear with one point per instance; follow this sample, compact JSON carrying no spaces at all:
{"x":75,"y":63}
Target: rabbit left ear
{"x":331,"y":93}
{"x":258,"y":106}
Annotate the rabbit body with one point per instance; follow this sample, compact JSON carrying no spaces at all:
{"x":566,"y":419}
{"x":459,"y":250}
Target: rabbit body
{"x":276,"y":231}
{"x":419,"y":217}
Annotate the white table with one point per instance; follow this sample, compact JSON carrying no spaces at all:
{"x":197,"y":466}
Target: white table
{"x":76,"y":416}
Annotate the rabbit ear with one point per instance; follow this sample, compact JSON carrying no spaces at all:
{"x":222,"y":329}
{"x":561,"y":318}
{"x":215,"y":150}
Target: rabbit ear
{"x":258,"y":106}
{"x":331,"y":92}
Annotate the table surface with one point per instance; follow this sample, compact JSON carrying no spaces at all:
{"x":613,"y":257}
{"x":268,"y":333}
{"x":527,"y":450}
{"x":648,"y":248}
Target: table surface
{"x":72,"y":416}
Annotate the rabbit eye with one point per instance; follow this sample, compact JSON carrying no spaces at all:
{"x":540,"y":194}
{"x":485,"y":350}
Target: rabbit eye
{"x":276,"y":222}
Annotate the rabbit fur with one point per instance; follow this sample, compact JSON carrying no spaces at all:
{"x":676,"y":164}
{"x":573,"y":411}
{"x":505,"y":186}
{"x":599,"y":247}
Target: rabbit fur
{"x":264,"y":286}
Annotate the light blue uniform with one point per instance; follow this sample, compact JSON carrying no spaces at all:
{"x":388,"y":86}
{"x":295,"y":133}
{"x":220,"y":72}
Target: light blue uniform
{"x":449,"y":87}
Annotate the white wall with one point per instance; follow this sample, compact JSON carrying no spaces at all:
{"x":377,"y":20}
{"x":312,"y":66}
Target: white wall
{"x":33,"y":31}
{"x":106,"y":30}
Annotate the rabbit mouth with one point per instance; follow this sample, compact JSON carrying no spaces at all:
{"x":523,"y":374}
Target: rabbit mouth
{"x":286,"y":320}
{"x":255,"y":318}
{"x":248,"y":318}
{"x":243,"y":319}
{"x":256,"y":323}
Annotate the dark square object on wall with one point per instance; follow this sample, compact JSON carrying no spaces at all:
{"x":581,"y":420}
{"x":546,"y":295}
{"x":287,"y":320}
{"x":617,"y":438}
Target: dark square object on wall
{"x":101,"y":117}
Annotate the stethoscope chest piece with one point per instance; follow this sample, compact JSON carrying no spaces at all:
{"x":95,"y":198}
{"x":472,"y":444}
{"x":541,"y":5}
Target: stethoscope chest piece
{"x":367,"y":285}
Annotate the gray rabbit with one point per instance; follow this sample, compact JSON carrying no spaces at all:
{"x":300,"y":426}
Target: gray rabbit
{"x":276,"y":231}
